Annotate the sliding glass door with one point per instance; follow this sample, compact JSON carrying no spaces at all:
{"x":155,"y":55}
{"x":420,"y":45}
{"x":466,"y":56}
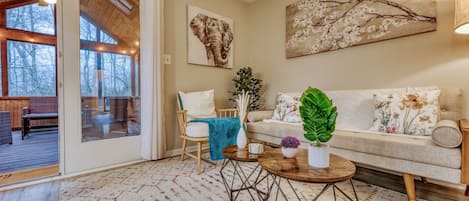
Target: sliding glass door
{"x":102,"y":73}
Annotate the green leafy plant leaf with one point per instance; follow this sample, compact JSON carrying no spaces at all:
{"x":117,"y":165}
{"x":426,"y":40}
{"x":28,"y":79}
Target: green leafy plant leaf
{"x":319,"y":116}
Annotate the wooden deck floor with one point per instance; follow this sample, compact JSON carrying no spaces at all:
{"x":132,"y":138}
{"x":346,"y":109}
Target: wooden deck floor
{"x":37,"y":150}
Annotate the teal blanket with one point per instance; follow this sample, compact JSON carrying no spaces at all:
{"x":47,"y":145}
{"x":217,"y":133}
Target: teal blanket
{"x":222,"y":133}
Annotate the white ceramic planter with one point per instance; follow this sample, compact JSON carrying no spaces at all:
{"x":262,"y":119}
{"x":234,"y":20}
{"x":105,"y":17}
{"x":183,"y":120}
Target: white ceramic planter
{"x":289,"y":152}
{"x":241,"y":140}
{"x":318,"y":156}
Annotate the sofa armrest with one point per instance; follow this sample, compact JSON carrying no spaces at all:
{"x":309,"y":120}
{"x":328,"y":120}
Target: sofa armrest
{"x":260,"y":115}
{"x":26,"y":110}
{"x":464,"y":126}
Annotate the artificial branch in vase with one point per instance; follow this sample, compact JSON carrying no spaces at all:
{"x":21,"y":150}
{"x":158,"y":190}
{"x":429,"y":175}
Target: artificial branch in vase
{"x":242,"y":106}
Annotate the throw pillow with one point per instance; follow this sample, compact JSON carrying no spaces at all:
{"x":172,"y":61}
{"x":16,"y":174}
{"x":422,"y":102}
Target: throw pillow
{"x":287,"y":109}
{"x":414,"y":113}
{"x":447,"y":134}
{"x":200,"y":104}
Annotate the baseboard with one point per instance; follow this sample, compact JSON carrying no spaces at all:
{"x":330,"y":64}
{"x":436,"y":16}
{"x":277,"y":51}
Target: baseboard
{"x":177,"y":152}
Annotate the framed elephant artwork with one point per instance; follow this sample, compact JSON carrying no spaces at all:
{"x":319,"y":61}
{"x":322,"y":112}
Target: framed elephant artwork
{"x":209,"y":38}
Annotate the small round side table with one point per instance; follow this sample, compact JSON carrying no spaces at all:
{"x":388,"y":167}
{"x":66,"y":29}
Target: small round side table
{"x":297,"y":169}
{"x":233,"y":157}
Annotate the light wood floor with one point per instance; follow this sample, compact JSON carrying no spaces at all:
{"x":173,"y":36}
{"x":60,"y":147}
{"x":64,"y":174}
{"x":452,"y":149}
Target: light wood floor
{"x":36,"y":150}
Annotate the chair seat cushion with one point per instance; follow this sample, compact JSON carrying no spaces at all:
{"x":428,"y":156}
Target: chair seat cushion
{"x":197,"y":129}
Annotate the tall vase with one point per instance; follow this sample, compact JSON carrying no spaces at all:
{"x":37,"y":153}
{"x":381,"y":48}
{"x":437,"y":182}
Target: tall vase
{"x":243,"y":101}
{"x":241,"y":140}
{"x":318,"y":156}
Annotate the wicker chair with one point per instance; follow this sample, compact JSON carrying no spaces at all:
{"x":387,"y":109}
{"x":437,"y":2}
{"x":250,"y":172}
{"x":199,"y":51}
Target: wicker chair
{"x":5,"y":128}
{"x":183,"y":123}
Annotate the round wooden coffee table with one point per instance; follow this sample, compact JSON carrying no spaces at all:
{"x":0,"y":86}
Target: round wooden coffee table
{"x":233,"y":157}
{"x":278,"y":167}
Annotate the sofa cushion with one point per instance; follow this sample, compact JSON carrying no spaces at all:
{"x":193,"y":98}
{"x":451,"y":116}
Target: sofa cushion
{"x":395,"y":165}
{"x":414,"y":148}
{"x":447,"y":134}
{"x":287,"y":108}
{"x":413,"y":113}
{"x":451,"y":104}
{"x":260,"y":115}
{"x":355,"y":107}
{"x":197,"y":129}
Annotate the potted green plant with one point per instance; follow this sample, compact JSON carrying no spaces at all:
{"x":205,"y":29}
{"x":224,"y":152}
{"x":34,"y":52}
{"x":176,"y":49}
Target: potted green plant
{"x":319,"y":116}
{"x":246,"y":81}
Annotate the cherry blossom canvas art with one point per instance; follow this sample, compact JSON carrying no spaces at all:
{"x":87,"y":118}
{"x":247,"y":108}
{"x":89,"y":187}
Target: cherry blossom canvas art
{"x":314,"y":26}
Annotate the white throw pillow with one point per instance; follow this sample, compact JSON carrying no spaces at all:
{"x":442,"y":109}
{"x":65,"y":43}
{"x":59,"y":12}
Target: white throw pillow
{"x":412,"y":113}
{"x":287,"y":109}
{"x":199,"y":104}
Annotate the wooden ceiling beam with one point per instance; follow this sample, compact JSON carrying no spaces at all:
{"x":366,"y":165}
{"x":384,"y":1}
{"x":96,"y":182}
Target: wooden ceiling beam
{"x":16,"y":3}
{"x":26,"y":36}
{"x":101,"y":47}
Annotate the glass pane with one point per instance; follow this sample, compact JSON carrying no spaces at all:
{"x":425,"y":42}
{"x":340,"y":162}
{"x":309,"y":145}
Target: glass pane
{"x":32,"y":18}
{"x":109,"y":84}
{"x":106,"y":38}
{"x":31,"y":69}
{"x":116,"y":75}
{"x":87,"y":30}
{"x":89,"y":73}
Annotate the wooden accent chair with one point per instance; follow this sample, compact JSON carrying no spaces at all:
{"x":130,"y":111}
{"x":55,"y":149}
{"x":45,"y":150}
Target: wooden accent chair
{"x":183,"y":125}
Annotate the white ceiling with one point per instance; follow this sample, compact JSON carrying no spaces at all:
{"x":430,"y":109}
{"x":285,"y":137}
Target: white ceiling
{"x":248,"y":1}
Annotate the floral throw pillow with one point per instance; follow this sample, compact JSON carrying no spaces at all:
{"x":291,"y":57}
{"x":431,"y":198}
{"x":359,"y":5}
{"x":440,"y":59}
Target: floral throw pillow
{"x":287,"y":109}
{"x":414,"y":113}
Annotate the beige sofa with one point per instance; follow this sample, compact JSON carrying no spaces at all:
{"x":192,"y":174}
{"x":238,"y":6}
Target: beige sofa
{"x":404,"y":154}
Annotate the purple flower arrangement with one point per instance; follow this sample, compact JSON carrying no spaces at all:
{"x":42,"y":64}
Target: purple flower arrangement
{"x":290,"y":142}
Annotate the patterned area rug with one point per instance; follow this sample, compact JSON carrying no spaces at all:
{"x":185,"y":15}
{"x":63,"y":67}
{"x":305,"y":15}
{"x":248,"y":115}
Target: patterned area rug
{"x":171,"y":179}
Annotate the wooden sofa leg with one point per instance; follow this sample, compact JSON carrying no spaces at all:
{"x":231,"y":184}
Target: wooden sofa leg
{"x":466,"y":193}
{"x":410,"y":187}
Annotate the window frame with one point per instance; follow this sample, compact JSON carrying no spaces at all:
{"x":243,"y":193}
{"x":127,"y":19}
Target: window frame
{"x":8,"y":73}
{"x":11,"y":34}
{"x":27,"y":4}
{"x":47,"y":39}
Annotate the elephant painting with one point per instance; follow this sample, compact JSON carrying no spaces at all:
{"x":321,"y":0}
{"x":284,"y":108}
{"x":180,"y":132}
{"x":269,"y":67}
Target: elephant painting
{"x":216,"y":37}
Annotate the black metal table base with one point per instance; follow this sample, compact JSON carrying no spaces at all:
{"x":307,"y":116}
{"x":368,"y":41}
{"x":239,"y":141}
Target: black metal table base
{"x":244,"y":178}
{"x":277,"y":181}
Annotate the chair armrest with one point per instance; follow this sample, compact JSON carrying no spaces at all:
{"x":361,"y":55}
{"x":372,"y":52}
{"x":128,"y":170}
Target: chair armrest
{"x":464,"y":126}
{"x":26,"y":110}
{"x":230,"y":112}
